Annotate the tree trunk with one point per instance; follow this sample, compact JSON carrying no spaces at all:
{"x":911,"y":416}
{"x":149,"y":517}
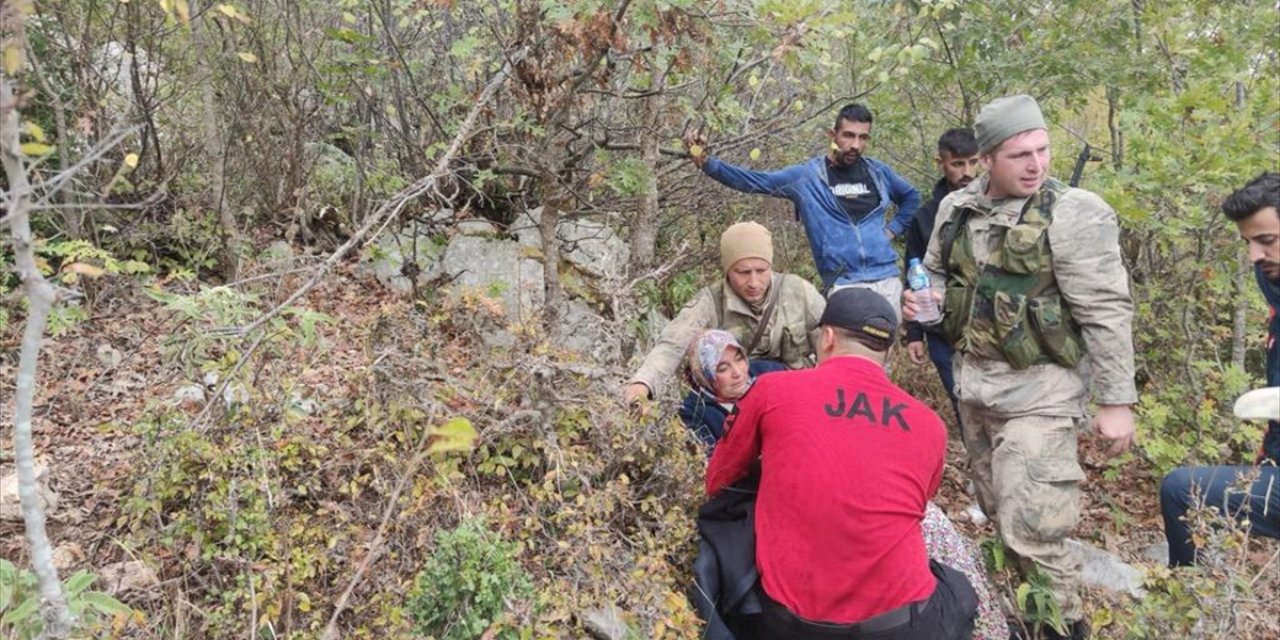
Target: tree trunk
{"x":644,"y":226}
{"x":40,"y":296}
{"x":550,"y":254}
{"x":215,"y":154}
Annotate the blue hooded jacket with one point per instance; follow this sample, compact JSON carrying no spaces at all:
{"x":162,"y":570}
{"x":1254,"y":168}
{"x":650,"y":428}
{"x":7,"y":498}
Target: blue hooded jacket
{"x":1271,"y":291}
{"x":845,"y":252}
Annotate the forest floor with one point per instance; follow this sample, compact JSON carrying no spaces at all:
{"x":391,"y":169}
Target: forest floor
{"x":111,"y":372}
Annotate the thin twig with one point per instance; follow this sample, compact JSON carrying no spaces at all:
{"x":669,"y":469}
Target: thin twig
{"x":375,"y":547}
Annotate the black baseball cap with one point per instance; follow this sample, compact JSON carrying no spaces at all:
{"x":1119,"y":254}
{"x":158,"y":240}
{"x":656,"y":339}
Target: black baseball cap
{"x":864,"y":313}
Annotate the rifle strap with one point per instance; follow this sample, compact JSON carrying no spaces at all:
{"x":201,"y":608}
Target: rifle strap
{"x":958,"y":221}
{"x":765,"y":315}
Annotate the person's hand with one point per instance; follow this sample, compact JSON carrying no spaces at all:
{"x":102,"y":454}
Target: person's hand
{"x":1115,"y":423}
{"x":909,"y":306}
{"x":915,"y":349}
{"x":634,"y":397}
{"x":695,"y":142}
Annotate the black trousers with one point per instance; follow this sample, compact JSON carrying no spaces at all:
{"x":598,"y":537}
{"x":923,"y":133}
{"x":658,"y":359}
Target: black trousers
{"x":947,"y":615}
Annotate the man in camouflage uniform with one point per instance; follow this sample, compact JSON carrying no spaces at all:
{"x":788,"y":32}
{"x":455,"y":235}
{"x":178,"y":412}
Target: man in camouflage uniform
{"x":750,"y":290}
{"x":1037,"y":302}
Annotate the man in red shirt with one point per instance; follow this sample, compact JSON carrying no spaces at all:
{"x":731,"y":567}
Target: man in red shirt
{"x":848,"y":461}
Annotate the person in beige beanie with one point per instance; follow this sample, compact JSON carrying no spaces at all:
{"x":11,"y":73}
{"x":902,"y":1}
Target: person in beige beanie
{"x":771,"y":314}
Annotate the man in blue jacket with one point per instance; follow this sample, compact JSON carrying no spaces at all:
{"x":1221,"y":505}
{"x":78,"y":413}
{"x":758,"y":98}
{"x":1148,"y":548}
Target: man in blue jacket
{"x":842,"y":198}
{"x":1255,"y":208}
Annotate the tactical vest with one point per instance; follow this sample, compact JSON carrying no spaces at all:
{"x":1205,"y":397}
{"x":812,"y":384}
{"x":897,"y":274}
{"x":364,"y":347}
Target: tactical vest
{"x":787,"y":323}
{"x":1009,"y":309}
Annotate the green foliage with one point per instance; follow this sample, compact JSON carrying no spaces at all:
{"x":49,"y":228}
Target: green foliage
{"x":95,"y":611}
{"x":466,"y":584}
{"x":1033,"y":596}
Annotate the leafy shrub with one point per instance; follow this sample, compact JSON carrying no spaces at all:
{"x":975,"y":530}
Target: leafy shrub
{"x":20,"y":604}
{"x":463,"y":588}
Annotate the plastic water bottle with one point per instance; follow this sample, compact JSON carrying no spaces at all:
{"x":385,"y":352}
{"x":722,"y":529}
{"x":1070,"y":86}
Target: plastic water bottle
{"x":927,"y":307}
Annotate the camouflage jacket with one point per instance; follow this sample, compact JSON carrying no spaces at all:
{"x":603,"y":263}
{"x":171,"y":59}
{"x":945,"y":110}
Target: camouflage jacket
{"x":1093,"y":282}
{"x":791,"y":337}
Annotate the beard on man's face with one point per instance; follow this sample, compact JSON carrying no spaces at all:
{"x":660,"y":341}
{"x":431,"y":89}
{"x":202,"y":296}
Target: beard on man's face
{"x":1270,"y":268}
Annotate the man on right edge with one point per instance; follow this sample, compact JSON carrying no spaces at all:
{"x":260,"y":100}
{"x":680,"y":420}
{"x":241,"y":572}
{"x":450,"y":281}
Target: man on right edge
{"x":1037,"y":303}
{"x":1255,"y":208}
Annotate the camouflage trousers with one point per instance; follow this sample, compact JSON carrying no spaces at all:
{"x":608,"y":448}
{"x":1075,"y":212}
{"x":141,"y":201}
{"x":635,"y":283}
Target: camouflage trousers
{"x":1028,"y":476}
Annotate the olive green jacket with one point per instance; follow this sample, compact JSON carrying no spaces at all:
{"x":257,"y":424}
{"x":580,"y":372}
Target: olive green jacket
{"x":1084,"y":241}
{"x":791,"y":337}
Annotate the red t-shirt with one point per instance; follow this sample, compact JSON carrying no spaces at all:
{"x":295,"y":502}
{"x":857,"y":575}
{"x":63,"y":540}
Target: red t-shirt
{"x":848,"y":462}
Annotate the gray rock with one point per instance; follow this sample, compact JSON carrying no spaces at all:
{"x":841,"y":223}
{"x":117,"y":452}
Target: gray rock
{"x":385,"y":259}
{"x":590,"y":245}
{"x":498,"y":268}
{"x":440,"y":216}
{"x":128,"y":576}
{"x":1104,"y":571}
{"x":477,"y":227}
{"x":333,"y":176}
{"x":581,"y":330}
{"x":10,"y":504}
{"x":606,"y":623}
{"x":1157,"y":553}
{"x":278,"y":251}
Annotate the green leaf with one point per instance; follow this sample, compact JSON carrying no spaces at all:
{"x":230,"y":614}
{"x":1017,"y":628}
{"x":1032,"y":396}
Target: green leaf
{"x":105,"y":604}
{"x":24,"y":610}
{"x":79,"y":581}
{"x":455,"y":435}
{"x":8,"y":583}
{"x":1024,"y":590}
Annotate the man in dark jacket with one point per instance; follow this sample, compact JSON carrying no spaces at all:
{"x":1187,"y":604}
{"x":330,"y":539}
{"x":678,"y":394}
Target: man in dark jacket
{"x":842,"y":198}
{"x":1255,"y":208}
{"x":958,"y":160}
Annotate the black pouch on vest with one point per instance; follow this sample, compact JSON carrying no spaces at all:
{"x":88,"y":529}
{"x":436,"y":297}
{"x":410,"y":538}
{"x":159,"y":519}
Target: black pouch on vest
{"x":1052,"y":323}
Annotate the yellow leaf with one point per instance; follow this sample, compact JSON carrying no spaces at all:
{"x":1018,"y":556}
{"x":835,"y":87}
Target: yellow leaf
{"x":33,"y":131}
{"x":248,"y":57}
{"x":755,"y":153}
{"x":348,"y":17}
{"x":455,"y":435}
{"x":227,"y":10}
{"x":12,"y":58}
{"x":84,"y":269}
{"x":36,"y":149}
{"x":183,"y":10}
{"x":131,"y":160}
{"x":696,"y":150}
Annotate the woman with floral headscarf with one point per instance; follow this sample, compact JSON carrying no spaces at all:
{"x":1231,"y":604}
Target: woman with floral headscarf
{"x":717,"y":368}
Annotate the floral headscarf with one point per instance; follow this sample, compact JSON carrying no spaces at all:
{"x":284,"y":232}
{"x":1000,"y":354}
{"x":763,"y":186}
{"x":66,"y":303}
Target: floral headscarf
{"x":702,"y":356}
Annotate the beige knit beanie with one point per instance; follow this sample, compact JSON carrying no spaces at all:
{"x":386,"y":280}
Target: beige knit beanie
{"x":745,"y":240}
